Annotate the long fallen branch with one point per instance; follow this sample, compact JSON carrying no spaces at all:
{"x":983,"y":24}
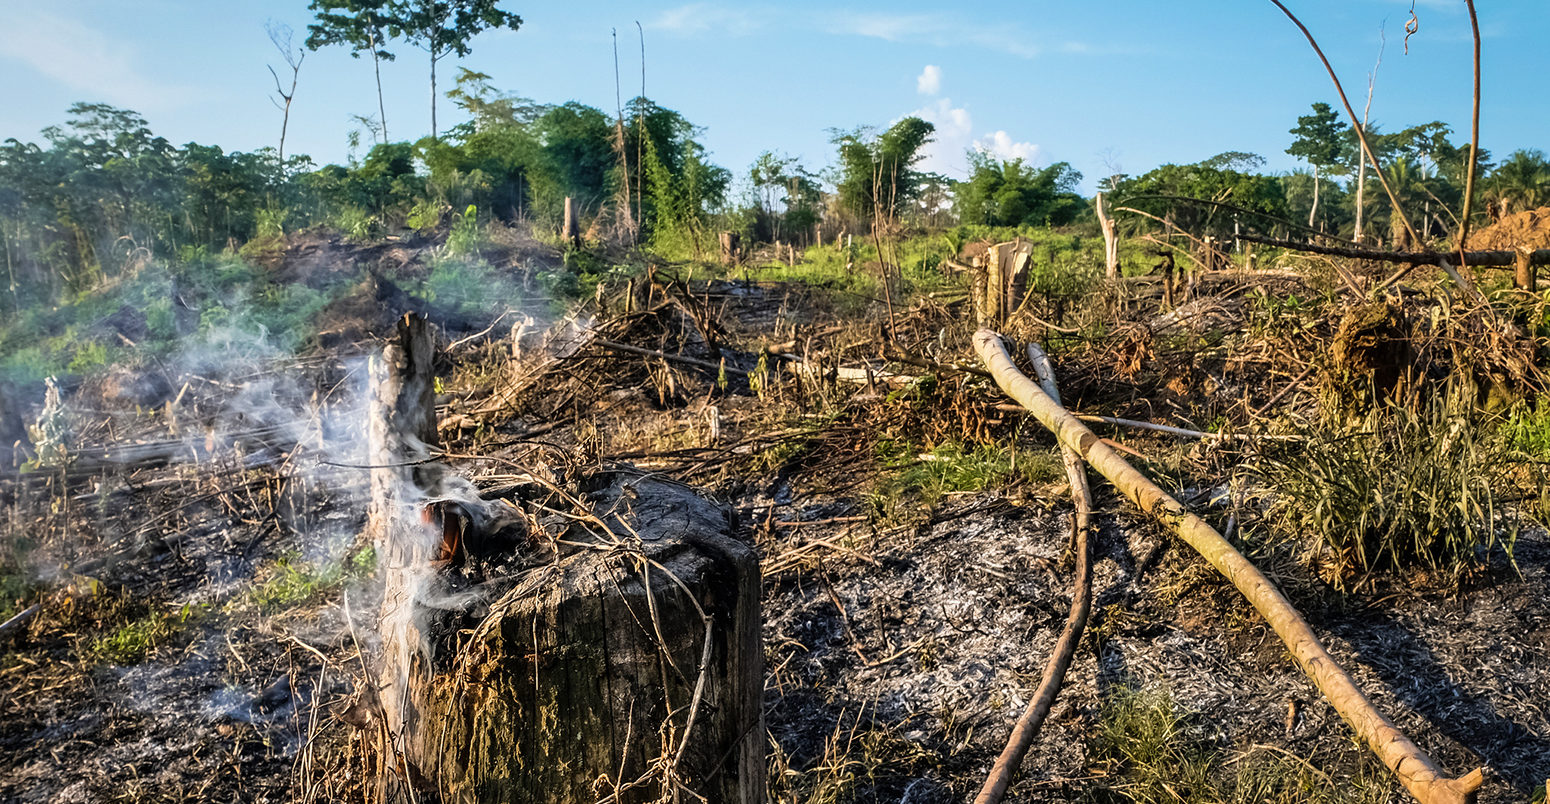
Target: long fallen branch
{"x":1416,"y":771}
{"x":714,"y":368}
{"x":1179,"y":431}
{"x":1505,"y":258}
{"x":1081,"y":605}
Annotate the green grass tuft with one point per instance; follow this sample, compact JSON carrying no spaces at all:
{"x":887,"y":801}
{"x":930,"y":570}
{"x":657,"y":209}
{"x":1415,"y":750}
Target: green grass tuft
{"x":1397,"y":490}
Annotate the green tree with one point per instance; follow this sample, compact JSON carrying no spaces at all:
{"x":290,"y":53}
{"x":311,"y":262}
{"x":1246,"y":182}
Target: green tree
{"x":786,"y":197}
{"x":446,"y":27}
{"x":1010,"y":193}
{"x":361,"y":25}
{"x":577,"y":159}
{"x":768,"y":175}
{"x":1520,"y":182}
{"x":1166,"y":192}
{"x":876,"y":171}
{"x":1318,"y":141}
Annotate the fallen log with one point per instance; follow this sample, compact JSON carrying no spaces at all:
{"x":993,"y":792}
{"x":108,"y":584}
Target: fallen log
{"x":1505,"y":258}
{"x":1416,"y":771}
{"x":1033,"y":717}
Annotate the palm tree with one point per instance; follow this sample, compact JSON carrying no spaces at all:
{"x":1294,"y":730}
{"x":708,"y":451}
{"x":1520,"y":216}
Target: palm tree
{"x":1521,"y":182}
{"x":1410,"y":188}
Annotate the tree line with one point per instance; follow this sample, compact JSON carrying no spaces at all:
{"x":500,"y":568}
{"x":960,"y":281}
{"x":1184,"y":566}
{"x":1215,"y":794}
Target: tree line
{"x":101,"y":192}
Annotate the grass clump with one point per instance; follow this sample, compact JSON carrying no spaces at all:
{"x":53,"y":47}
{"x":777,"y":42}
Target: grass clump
{"x":953,"y":468}
{"x":1155,"y":752}
{"x":859,"y":760}
{"x":14,"y":588}
{"x":1144,"y":738}
{"x":133,"y":642}
{"x":1402,"y":488}
{"x":293,"y":582}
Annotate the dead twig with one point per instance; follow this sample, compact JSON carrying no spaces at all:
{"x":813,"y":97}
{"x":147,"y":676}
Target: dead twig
{"x":1504,"y":258}
{"x":1474,"y":137}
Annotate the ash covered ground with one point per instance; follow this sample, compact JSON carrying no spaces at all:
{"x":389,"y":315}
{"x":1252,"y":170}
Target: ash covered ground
{"x":208,"y":607}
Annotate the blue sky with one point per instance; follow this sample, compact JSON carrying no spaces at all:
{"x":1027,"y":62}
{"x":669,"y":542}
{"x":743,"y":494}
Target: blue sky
{"x":1123,"y":84}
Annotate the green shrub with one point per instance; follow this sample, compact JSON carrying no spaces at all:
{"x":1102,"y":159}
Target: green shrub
{"x":88,"y":355}
{"x":1527,"y":430}
{"x":29,"y":365}
{"x":425,"y":216}
{"x":269,"y":221}
{"x":466,"y":238}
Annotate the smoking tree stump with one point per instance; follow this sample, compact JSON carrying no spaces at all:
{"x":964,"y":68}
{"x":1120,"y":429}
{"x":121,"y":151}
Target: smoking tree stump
{"x":592,"y":677}
{"x":608,"y":653}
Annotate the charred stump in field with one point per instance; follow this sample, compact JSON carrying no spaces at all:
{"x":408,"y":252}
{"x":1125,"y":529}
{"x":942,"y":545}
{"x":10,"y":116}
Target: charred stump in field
{"x":1370,"y":358}
{"x":566,"y":642}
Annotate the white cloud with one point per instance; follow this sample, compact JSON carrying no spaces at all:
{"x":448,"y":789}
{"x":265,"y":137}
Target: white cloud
{"x":954,"y":134}
{"x":954,"y":138}
{"x":1003,"y":147}
{"x":937,"y":29}
{"x":929,"y":82}
{"x":699,"y":18}
{"x":82,"y":58}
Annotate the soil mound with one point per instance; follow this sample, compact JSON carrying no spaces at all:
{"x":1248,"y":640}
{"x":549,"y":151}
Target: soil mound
{"x":1529,"y":228}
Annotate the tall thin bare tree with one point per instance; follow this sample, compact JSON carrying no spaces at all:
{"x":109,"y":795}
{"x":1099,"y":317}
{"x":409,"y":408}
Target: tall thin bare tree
{"x":280,"y":34}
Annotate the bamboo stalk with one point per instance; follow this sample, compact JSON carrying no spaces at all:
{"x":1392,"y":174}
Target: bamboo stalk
{"x":1059,"y":662}
{"x":1416,"y":771}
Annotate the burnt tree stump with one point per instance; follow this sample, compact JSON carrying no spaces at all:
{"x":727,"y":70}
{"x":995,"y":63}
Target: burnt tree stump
{"x":599,"y":642}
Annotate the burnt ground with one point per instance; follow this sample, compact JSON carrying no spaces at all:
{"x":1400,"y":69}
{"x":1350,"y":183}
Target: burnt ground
{"x":194,"y":643}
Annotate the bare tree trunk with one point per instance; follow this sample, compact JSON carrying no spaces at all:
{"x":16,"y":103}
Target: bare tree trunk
{"x":619,"y":146}
{"x":1361,"y":199}
{"x":433,"y":94}
{"x":1524,"y":278}
{"x":729,"y":247}
{"x":995,"y":286}
{"x":1361,"y":171}
{"x":280,"y":35}
{"x":571,"y":230}
{"x":1110,"y":241}
{"x":376,"y":68}
{"x":1314,"y":211}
